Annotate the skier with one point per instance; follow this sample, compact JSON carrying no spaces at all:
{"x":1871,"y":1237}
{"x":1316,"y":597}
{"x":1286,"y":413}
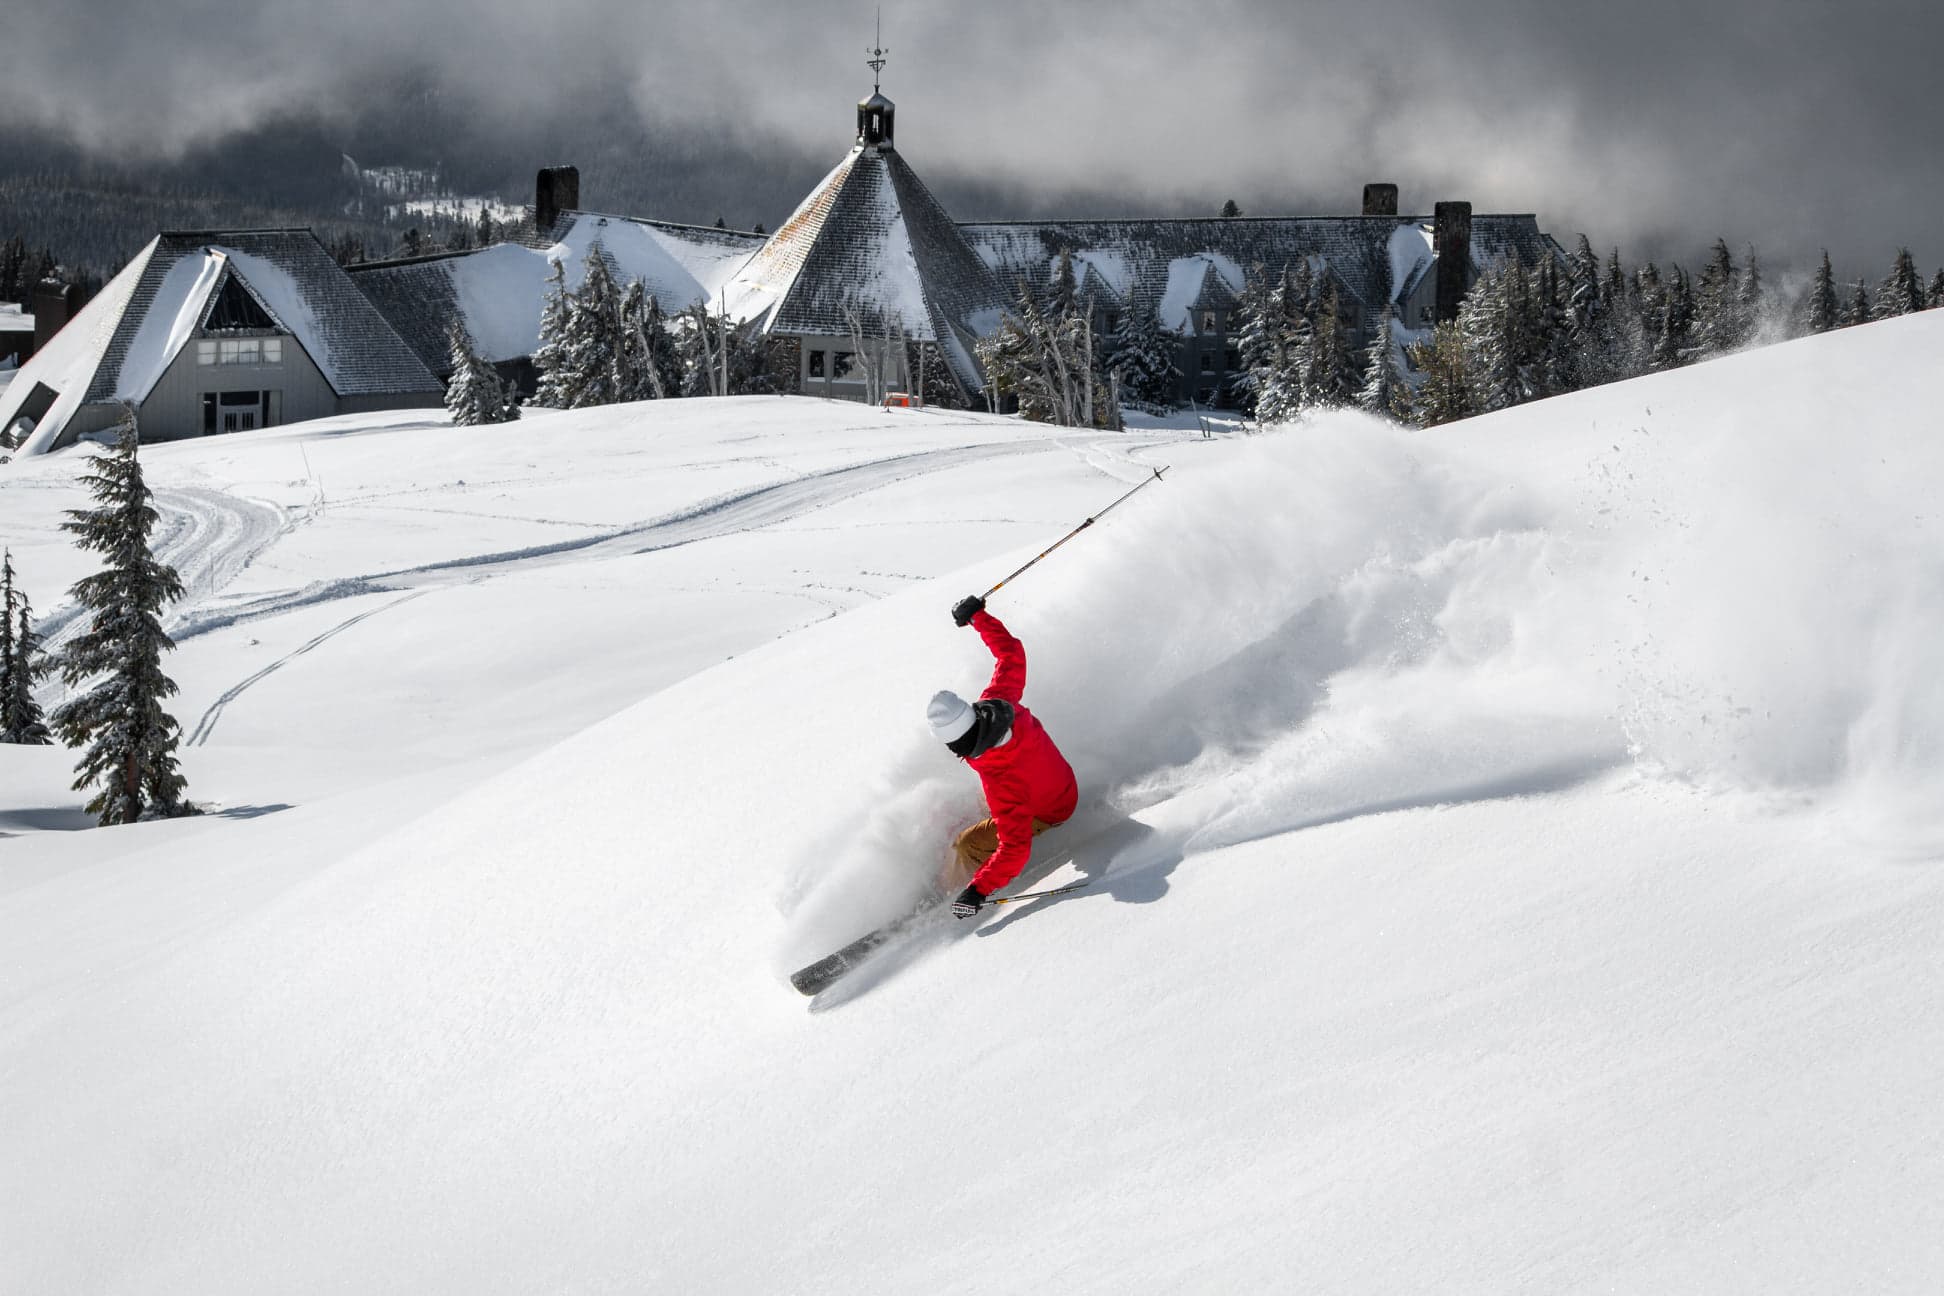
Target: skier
{"x":1028,"y":785}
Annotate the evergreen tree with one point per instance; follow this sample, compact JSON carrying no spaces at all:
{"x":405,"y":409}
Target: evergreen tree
{"x":1674,"y":340}
{"x":581,"y":352}
{"x":1332,"y":374}
{"x":1752,"y":297}
{"x":130,"y":740}
{"x":1385,"y":391}
{"x":1061,"y":298}
{"x":557,"y":311}
{"x":1858,"y":311}
{"x":1230,"y":210}
{"x":1444,"y":393}
{"x":1496,"y":326}
{"x":487,"y":232}
{"x":474,"y":394}
{"x":1903,"y":292}
{"x":1718,"y":325}
{"x":1582,"y":292}
{"x":1822,"y":312}
{"x":1935,"y":297}
{"x":1258,"y":337}
{"x":1141,"y":357}
{"x":21,"y":666}
{"x":1555,"y":363}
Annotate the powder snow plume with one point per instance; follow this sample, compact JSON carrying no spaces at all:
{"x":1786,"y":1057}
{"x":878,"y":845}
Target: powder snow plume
{"x":1347,"y":618}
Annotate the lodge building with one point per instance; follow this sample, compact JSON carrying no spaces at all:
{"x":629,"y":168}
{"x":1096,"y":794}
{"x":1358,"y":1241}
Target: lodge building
{"x":211,"y":332}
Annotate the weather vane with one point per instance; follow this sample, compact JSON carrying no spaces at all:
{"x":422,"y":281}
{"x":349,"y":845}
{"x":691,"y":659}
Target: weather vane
{"x":877,"y":53}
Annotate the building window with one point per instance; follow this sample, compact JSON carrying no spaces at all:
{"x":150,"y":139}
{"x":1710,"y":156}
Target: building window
{"x":230,"y":351}
{"x":816,"y":364}
{"x":1208,"y":362}
{"x":841,"y":363}
{"x":1231,"y":359}
{"x":1112,"y":321}
{"x":1208,"y":322}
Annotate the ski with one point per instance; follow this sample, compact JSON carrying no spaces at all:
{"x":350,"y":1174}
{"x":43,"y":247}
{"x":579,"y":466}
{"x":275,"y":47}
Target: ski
{"x":818,"y":976}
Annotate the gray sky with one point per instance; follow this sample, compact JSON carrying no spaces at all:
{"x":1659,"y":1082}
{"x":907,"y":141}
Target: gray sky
{"x":1654,"y":124}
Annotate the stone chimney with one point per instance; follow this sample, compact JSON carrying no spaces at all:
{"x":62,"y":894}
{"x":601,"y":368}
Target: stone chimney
{"x":555,"y":190}
{"x":1380,"y":200}
{"x":55,"y":303}
{"x":1451,"y":240}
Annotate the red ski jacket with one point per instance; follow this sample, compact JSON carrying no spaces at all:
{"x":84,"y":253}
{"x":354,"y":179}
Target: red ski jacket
{"x":1025,"y":777}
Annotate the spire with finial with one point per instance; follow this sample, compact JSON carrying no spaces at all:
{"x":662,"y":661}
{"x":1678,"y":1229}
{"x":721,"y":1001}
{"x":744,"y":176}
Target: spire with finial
{"x":874,"y":115}
{"x":877,"y":53}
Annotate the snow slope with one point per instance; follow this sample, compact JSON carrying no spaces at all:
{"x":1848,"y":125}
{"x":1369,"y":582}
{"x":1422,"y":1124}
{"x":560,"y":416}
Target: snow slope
{"x":1513,"y":857}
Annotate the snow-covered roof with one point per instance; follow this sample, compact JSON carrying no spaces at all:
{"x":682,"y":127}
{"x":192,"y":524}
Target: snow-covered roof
{"x":870,"y":240}
{"x":122,"y":342}
{"x":1175,"y":266}
{"x":498,"y":292}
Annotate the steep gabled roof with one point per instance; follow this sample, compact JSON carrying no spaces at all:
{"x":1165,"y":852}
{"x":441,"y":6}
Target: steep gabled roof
{"x":119,"y":346}
{"x":871,"y":242}
{"x":289,"y":273}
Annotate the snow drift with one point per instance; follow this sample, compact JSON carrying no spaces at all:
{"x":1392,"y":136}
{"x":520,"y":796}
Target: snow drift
{"x":1595,"y":963}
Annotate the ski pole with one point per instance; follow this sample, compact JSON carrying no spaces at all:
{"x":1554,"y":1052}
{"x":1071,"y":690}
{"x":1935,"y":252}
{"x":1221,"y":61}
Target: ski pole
{"x":1062,"y":540}
{"x":1034,"y":895}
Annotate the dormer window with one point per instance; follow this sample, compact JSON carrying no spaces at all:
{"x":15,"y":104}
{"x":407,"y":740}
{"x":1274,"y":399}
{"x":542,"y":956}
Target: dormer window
{"x":1208,"y":319}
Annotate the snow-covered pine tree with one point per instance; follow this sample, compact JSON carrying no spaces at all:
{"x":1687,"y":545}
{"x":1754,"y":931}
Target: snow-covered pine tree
{"x":22,"y":665}
{"x":1229,"y":210}
{"x":1821,"y":311}
{"x":1143,"y":359}
{"x":1383,"y":378}
{"x":474,"y":394}
{"x":1061,"y":297}
{"x":1257,"y":329}
{"x":1935,"y":297}
{"x":130,"y":740}
{"x":1494,"y":325}
{"x":1613,"y":347}
{"x":1674,"y":340}
{"x":1858,"y":311}
{"x":1903,"y":292}
{"x":594,"y":345}
{"x":1718,"y":325}
{"x":1752,"y":295}
{"x":550,"y":360}
{"x":1582,"y":292}
{"x":1555,"y":363}
{"x":1445,"y":393}
{"x":1333,"y":376}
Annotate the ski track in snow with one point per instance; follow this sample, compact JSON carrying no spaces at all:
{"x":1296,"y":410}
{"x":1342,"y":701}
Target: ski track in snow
{"x":724,"y":515}
{"x":201,"y":510}
{"x":208,"y":536}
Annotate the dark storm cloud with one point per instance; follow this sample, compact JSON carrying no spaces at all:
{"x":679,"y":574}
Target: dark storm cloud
{"x":1654,"y":124}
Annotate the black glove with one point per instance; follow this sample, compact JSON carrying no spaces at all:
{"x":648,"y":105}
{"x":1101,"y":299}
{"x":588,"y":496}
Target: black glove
{"x":969,"y":902}
{"x":966,"y":609}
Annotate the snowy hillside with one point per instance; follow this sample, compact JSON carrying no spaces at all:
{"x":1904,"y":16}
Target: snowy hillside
{"x":1513,"y":854}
